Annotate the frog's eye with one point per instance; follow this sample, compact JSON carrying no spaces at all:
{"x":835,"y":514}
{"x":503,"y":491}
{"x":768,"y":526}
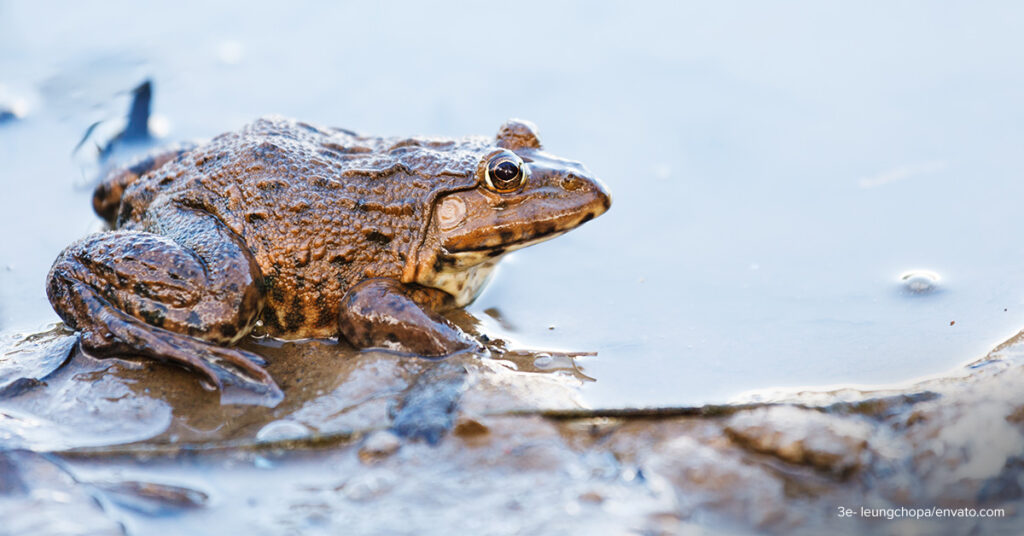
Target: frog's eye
{"x":506,"y":173}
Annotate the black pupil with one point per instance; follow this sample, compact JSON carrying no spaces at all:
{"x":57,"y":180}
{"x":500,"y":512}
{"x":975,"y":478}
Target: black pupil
{"x":505,"y":174}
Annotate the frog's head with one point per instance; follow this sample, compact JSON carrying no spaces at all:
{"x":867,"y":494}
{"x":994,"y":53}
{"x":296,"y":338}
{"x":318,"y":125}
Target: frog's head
{"x":521,"y":196}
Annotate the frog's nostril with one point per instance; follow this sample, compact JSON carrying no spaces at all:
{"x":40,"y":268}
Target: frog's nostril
{"x":571,"y":182}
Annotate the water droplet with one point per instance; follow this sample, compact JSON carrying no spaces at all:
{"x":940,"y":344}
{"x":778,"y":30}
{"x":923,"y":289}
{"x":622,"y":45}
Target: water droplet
{"x":543,"y":361}
{"x":919,"y":281}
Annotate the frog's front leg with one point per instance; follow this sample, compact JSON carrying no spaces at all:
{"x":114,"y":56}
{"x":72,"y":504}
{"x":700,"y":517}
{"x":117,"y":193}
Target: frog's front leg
{"x":174,"y":293}
{"x":384,"y":313}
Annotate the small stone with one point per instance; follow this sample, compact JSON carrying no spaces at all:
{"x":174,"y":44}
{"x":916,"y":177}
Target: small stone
{"x":826,"y":442}
{"x":469,"y":428}
{"x":379,"y":445}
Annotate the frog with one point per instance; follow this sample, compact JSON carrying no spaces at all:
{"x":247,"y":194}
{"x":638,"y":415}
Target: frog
{"x":309,"y":232}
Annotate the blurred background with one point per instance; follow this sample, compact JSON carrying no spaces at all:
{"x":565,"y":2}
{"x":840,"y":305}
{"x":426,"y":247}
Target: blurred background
{"x":814,"y":195}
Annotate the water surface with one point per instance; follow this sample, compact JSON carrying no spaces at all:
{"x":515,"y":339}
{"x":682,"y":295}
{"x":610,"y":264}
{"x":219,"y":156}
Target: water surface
{"x":774,"y":171}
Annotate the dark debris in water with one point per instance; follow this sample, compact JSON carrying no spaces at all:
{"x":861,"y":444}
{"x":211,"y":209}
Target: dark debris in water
{"x":427,"y":410}
{"x":136,"y":130}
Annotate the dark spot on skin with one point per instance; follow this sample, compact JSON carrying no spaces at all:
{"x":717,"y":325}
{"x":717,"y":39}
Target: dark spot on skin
{"x":294,"y":319}
{"x":344,"y":131}
{"x":391,"y":337}
{"x":253,"y":217}
{"x":324,"y":318}
{"x":405,"y":143}
{"x":271,"y":184}
{"x":339,"y":260}
{"x":153,"y":317}
{"x":270,"y":321}
{"x":506,"y":236}
{"x":496,"y":252}
{"x":379,"y":238}
{"x":194,"y":320}
{"x":588,"y":217}
{"x":360,"y":206}
{"x":326,"y":184}
{"x":545,"y":229}
{"x":228,"y":331}
{"x":141,"y":290}
{"x":126,"y":211}
{"x":330,"y":153}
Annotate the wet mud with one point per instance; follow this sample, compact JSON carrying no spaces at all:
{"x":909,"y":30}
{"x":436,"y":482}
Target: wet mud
{"x":369,"y":442}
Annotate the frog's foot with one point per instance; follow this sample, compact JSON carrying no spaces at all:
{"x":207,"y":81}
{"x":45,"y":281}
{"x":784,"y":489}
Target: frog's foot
{"x":384,"y":313}
{"x":238,"y":374}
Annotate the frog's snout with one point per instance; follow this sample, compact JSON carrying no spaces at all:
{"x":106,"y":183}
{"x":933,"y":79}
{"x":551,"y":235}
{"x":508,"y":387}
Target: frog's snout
{"x":604,"y":197}
{"x":594,"y":197}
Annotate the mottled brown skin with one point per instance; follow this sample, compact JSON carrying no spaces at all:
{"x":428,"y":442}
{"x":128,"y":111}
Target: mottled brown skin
{"x":317,"y":232}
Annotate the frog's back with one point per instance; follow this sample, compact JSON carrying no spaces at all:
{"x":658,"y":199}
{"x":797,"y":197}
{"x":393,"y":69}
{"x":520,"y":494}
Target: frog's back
{"x":321,"y":209}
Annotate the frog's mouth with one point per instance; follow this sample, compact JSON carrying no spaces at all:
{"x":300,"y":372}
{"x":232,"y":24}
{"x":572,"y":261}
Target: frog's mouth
{"x":501,"y":237}
{"x":505,"y":247}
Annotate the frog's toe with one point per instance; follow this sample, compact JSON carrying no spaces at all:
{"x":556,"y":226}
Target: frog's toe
{"x":241,"y":380}
{"x":233,"y":364}
{"x":238,"y":374}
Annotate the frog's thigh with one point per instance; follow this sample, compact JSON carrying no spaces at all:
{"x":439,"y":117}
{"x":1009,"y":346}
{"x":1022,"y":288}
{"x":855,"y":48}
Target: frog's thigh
{"x":139,"y":293}
{"x":382,"y":313}
{"x":147,"y":276}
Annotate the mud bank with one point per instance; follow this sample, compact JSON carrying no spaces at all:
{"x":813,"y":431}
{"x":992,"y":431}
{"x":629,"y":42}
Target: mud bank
{"x":373,"y":443}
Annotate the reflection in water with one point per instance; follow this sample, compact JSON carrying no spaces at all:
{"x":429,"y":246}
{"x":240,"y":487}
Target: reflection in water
{"x":330,"y":391}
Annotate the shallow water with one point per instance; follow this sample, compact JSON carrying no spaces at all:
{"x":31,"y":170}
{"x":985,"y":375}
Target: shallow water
{"x":774,"y":172}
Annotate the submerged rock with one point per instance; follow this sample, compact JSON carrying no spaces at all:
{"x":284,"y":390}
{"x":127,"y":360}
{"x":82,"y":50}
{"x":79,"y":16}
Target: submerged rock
{"x":833,"y":444}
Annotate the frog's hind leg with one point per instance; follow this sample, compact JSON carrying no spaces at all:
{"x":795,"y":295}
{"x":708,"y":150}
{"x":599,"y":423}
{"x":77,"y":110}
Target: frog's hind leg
{"x":174,"y":296}
{"x":106,"y":199}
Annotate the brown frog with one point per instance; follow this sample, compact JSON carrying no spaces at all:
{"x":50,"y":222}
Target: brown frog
{"x":313,"y":231}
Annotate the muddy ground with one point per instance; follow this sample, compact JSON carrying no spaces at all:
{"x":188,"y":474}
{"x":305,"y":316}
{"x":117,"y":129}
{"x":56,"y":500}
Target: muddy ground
{"x":375,"y":443}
